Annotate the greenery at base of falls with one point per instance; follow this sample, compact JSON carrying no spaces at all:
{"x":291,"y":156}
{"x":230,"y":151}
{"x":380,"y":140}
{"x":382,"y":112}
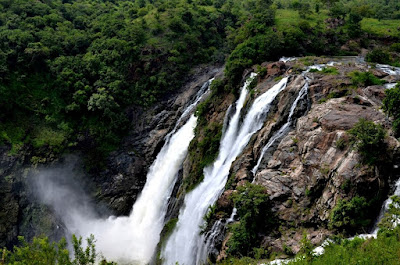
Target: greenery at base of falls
{"x":391,"y":105}
{"x":255,"y":217}
{"x":41,"y":251}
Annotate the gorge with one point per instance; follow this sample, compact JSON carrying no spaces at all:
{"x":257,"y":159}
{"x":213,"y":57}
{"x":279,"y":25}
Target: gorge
{"x":279,"y":134}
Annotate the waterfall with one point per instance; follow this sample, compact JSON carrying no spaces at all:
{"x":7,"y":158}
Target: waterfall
{"x":285,"y":128}
{"x":133,"y":239}
{"x":185,"y":244}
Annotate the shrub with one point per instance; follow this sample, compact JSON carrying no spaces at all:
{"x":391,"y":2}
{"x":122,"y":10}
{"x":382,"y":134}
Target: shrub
{"x":369,"y":140}
{"x":253,"y":208}
{"x":42,"y":251}
{"x":391,"y":105}
{"x":330,"y":70}
{"x":381,"y":250}
{"x":203,"y":150}
{"x":341,"y":144}
{"x":395,"y":47}
{"x":365,"y":79}
{"x":378,"y":56}
{"x":350,"y":215}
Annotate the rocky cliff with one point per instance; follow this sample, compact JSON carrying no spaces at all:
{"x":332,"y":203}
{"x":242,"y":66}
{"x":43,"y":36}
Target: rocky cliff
{"x":313,"y":167}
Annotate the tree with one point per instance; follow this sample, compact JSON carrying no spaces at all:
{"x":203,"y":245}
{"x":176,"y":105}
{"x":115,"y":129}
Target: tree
{"x":354,"y":24}
{"x":253,"y":208}
{"x":42,"y":251}
{"x":391,"y":105}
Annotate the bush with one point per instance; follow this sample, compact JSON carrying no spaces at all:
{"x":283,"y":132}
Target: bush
{"x":365,"y":79}
{"x":253,"y":208}
{"x":350,"y":215}
{"x":330,"y":70}
{"x":42,"y":251}
{"x":395,"y":47}
{"x":203,"y":150}
{"x":369,"y":139}
{"x":378,"y":56}
{"x":391,"y":105}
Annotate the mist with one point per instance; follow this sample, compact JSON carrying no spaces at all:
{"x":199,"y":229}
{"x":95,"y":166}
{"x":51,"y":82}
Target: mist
{"x":129,"y":239}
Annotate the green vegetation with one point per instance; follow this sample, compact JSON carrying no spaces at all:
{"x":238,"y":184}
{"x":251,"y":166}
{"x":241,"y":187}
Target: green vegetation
{"x":71,"y":68}
{"x":202,"y":152}
{"x":391,"y":105}
{"x":167,"y":230}
{"x":391,"y":217}
{"x":255,"y":215}
{"x":42,"y":251}
{"x":341,"y":143}
{"x":326,"y":70}
{"x":369,"y":139}
{"x":382,"y":56}
{"x":381,"y":28}
{"x":350,"y":215}
{"x":365,"y":79}
{"x":378,"y":56}
{"x":381,"y":250}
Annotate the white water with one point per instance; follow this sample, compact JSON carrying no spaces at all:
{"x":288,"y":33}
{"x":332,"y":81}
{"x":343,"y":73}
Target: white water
{"x":186,"y":245}
{"x":133,"y":239}
{"x":284,"y":129}
{"x":391,"y":70}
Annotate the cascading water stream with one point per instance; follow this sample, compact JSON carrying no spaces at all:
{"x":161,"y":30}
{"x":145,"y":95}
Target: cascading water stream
{"x":133,"y":239}
{"x":285,"y":128}
{"x":186,"y":245}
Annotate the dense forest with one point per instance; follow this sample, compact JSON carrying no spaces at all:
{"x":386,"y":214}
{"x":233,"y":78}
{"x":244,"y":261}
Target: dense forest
{"x":73,"y":71}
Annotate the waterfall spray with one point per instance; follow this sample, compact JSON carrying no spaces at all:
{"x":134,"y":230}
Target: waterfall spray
{"x":133,"y":239}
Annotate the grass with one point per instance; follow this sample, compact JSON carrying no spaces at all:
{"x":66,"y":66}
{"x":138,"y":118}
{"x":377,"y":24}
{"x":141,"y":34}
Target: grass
{"x":287,"y":17}
{"x":383,"y":28}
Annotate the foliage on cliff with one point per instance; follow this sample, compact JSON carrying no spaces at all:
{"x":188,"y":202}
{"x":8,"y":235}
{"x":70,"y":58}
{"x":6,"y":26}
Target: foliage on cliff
{"x":255,"y":215}
{"x":369,"y":139}
{"x":391,"y":105}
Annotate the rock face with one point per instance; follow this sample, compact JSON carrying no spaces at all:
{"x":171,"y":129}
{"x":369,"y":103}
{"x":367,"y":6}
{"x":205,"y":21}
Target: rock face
{"x":117,"y":186}
{"x":314,"y":166}
{"x":127,"y":168}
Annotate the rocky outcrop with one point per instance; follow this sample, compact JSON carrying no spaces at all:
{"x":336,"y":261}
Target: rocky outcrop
{"x":314,"y":166}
